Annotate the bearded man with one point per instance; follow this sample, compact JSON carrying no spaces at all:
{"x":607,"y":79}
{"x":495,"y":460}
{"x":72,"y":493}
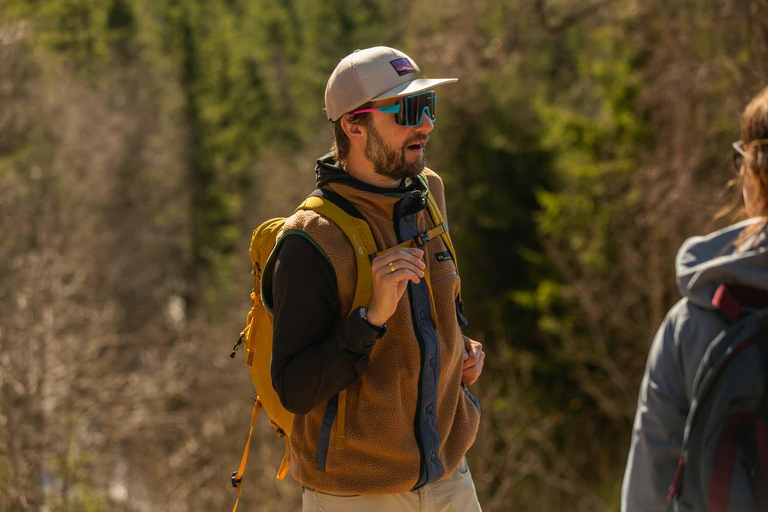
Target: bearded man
{"x":402,"y":359}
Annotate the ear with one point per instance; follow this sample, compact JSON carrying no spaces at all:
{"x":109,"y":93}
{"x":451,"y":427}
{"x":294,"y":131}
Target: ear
{"x":355,"y":131}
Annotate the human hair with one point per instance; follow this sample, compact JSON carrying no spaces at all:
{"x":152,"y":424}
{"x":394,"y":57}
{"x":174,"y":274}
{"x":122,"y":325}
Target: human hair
{"x":340,"y":146}
{"x":754,"y":127}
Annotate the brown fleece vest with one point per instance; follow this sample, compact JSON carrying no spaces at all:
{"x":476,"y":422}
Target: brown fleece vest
{"x":381,"y":454}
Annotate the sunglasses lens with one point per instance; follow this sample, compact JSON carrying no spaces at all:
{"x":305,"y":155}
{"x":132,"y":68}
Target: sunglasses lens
{"x":414,"y":106}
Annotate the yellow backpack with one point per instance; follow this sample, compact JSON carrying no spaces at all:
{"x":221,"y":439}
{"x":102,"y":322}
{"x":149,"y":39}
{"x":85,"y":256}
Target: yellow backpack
{"x":257,"y":334}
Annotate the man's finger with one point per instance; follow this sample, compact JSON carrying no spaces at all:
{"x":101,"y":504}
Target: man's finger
{"x":398,"y":255}
{"x":403,"y":274}
{"x":403,"y":250}
{"x":394,"y":266}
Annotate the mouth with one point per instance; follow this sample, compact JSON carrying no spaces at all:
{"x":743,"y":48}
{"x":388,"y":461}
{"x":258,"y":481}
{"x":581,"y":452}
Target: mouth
{"x":418,"y":146}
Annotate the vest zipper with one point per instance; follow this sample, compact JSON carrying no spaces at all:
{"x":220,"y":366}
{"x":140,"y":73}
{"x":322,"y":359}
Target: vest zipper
{"x":423,"y":473}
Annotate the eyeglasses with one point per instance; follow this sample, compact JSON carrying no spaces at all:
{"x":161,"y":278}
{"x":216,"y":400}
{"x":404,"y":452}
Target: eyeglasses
{"x":409,"y":110}
{"x":740,"y":150}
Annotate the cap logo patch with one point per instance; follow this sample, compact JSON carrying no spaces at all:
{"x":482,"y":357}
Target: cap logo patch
{"x":402,"y":66}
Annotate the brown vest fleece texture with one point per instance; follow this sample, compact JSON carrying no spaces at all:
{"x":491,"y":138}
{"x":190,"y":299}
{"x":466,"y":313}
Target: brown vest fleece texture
{"x":381,"y":455}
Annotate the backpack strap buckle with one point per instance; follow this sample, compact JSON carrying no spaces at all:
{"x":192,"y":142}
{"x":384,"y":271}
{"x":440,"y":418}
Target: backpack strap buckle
{"x":426,"y":236}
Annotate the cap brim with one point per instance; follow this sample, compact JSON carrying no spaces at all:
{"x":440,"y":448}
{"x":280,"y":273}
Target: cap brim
{"x":414,"y":86}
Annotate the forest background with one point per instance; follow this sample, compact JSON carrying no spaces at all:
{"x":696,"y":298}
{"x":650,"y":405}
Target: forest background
{"x":141,"y":141}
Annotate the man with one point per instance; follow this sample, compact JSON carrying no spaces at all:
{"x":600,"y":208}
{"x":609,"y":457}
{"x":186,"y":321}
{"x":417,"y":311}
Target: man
{"x":402,"y":360}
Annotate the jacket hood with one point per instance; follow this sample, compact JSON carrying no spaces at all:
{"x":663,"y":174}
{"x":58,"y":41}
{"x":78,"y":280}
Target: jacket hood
{"x":328,"y":170}
{"x":705,"y":262}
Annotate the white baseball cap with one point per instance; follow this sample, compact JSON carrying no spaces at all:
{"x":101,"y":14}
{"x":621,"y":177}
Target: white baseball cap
{"x":373,"y":74}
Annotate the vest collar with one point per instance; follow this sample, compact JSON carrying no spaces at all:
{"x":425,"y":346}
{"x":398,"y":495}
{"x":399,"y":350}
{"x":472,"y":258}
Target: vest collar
{"x":409,"y":197}
{"x":328,"y":170}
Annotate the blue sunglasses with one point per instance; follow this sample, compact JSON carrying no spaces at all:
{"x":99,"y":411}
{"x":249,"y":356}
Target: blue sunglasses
{"x":409,"y":110}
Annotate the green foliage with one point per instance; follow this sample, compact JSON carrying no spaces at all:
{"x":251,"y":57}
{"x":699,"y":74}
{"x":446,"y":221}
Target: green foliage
{"x":597,"y":137}
{"x":597,"y":142}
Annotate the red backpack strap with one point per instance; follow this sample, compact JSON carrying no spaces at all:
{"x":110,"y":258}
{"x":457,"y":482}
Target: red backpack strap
{"x":725,"y":460}
{"x":677,"y":481}
{"x":731,"y":299}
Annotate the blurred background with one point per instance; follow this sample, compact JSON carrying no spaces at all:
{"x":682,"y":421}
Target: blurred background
{"x":141,"y":141}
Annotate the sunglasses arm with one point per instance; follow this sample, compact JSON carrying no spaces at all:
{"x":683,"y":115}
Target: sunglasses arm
{"x":394,"y":109}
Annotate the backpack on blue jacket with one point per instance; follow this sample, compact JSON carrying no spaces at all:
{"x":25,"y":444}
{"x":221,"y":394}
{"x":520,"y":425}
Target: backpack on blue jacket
{"x":724,"y":461}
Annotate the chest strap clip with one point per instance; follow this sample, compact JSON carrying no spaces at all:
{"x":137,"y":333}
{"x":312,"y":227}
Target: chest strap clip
{"x":426,"y":236}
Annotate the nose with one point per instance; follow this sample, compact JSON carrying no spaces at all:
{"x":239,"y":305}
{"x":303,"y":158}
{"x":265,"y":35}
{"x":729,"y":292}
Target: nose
{"x":426,"y":124}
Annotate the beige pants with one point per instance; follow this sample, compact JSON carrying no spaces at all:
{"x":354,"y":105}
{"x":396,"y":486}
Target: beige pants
{"x":454,"y":494}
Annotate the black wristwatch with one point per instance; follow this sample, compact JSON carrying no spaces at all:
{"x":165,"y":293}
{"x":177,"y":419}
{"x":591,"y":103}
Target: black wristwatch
{"x":381,"y":330}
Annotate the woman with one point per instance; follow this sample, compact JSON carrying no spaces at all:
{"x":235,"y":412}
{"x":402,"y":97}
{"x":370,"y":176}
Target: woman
{"x":735,"y":255}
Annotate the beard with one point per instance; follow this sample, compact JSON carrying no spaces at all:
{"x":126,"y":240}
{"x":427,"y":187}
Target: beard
{"x":390,"y":161}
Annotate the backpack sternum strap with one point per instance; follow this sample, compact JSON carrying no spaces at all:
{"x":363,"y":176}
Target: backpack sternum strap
{"x":441,"y":230}
{"x":419,"y":240}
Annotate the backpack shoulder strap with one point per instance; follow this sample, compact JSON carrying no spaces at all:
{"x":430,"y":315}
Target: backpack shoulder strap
{"x":731,"y":299}
{"x":349,"y":219}
{"x":343,"y":213}
{"x":737,"y":336}
{"x":437,"y":219}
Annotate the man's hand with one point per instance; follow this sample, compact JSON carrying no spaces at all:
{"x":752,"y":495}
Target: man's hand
{"x":391,"y":272}
{"x":473,"y":361}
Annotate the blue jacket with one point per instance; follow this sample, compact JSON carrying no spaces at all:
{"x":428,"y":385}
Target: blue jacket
{"x":702,"y":264}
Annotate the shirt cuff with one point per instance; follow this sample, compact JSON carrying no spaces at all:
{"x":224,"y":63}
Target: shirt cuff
{"x":358,"y":336}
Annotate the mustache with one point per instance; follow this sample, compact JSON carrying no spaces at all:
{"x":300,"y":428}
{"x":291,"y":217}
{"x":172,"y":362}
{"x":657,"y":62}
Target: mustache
{"x":417,"y":140}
